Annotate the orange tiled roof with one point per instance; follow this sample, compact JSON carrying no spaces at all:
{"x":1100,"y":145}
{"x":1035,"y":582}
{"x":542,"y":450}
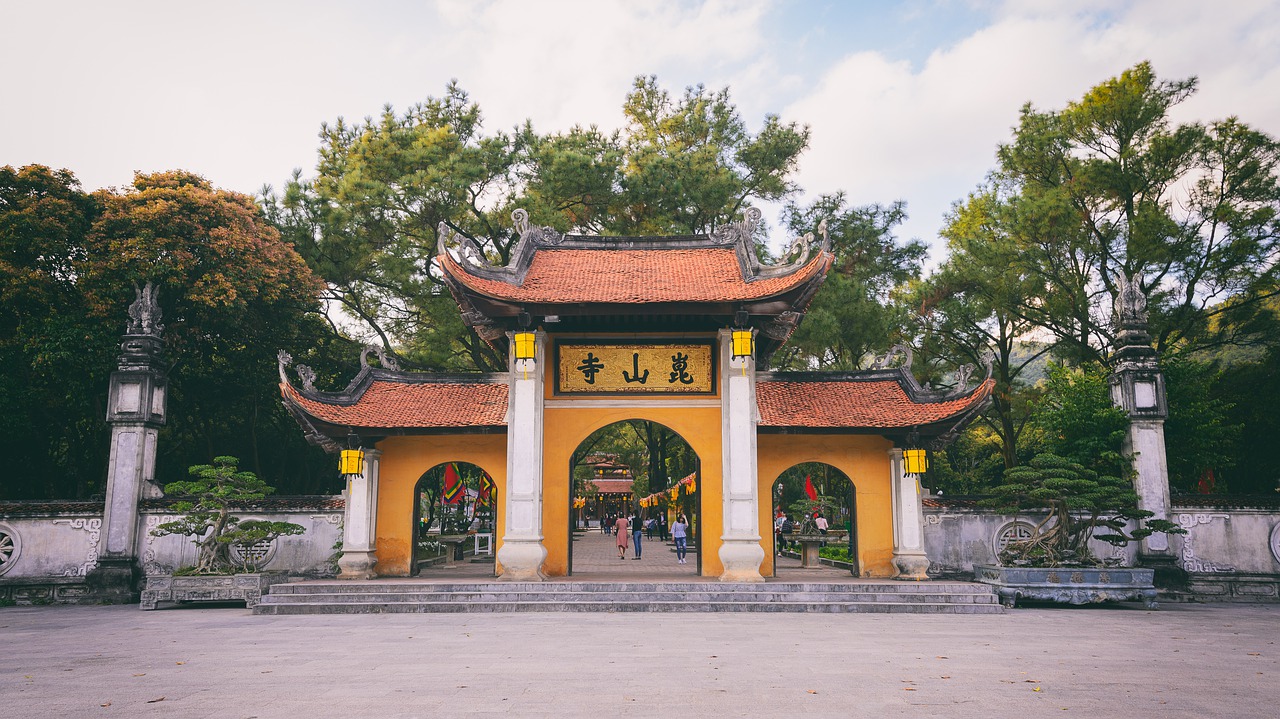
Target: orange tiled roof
{"x":636,"y":276}
{"x":612,"y":486}
{"x":850,"y":404}
{"x":413,"y":405}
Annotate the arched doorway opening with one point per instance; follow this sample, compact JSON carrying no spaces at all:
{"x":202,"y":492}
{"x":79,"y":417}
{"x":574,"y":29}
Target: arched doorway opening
{"x":455,"y":511}
{"x":648,"y":473}
{"x":801,"y":494}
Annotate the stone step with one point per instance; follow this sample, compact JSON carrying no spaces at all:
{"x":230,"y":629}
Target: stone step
{"x":412,"y":587}
{"x":711,"y":597}
{"x":392,"y":596}
{"x":385,"y":607}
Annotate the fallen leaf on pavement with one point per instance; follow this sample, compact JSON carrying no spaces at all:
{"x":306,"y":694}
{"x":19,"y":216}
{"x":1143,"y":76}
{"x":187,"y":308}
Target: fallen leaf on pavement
{"x":153,"y":701}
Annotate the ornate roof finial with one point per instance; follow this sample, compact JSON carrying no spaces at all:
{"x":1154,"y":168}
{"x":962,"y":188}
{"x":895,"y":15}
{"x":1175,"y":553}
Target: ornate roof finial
{"x":826,"y":238}
{"x":520,"y":217}
{"x":144,"y":313}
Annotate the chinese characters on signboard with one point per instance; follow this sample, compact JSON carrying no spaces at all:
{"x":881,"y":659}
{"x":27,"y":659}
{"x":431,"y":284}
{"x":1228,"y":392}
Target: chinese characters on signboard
{"x":598,"y":368}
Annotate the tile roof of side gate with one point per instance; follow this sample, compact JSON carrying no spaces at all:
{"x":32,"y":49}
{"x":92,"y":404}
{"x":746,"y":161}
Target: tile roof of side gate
{"x":383,"y":402}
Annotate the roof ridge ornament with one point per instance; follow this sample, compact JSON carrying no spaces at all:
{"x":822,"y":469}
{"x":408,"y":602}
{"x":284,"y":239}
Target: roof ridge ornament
{"x":900,"y":349}
{"x":385,"y":359}
{"x":305,"y":373}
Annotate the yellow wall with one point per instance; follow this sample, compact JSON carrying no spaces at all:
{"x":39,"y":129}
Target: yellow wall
{"x":404,"y":460}
{"x":564,"y":429}
{"x":865,"y":460}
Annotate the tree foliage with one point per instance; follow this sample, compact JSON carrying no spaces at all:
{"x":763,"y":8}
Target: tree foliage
{"x":369,"y":220}
{"x":211,"y":495}
{"x":1080,"y":503}
{"x":231,"y":293}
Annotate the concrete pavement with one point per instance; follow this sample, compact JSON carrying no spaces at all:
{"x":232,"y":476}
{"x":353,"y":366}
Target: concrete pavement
{"x":1181,"y":661}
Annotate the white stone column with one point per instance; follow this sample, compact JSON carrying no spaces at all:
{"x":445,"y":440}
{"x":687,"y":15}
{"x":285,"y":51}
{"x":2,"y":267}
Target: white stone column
{"x":908,"y":522}
{"x":1145,"y":443}
{"x":130,"y":475}
{"x":360,"y":521}
{"x":740,"y":550}
{"x":522,"y":553}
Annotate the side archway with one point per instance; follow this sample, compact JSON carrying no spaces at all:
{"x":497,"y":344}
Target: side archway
{"x":814,"y":497}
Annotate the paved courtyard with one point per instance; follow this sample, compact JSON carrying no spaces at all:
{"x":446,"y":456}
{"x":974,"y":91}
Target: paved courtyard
{"x":1181,"y":661}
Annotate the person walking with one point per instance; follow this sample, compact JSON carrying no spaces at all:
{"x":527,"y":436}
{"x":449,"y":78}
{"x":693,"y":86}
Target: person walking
{"x":637,"y":530}
{"x":662,"y":526}
{"x":680,"y":533}
{"x":620,"y":530}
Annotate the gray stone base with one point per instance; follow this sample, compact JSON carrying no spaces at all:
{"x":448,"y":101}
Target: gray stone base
{"x":247,"y":588}
{"x":1232,"y":587}
{"x":114,"y":581}
{"x":46,"y":590}
{"x":1069,"y":585}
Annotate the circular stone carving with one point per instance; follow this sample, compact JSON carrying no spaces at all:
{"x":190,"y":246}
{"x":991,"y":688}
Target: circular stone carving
{"x":10,"y":547}
{"x":1275,"y":542}
{"x":261,"y":553}
{"x":1014,"y":531}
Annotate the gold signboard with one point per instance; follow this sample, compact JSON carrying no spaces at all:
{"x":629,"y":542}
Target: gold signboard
{"x":603,"y":368}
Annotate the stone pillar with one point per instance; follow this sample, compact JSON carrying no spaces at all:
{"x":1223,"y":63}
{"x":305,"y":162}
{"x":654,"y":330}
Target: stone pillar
{"x":740,"y":550}
{"x":360,"y":521}
{"x":908,"y":522}
{"x":522,"y":553}
{"x":1137,"y":387}
{"x":136,"y":405}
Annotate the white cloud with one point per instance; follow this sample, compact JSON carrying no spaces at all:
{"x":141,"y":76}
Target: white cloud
{"x":884,"y":130}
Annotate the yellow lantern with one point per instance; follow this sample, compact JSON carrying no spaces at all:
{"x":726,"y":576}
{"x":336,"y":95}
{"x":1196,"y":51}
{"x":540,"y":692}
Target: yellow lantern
{"x":915,"y":461}
{"x":675,"y":492}
{"x":691,"y":487}
{"x":351,"y":462}
{"x":743,"y":344}
{"x":524,"y":344}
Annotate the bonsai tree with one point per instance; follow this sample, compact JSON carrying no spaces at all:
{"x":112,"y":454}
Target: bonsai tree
{"x":1081,"y":504}
{"x":207,"y":519}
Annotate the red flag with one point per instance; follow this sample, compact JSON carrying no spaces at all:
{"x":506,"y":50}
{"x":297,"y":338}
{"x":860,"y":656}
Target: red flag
{"x":452,"y":485}
{"x":808,"y":488}
{"x":486,"y":489}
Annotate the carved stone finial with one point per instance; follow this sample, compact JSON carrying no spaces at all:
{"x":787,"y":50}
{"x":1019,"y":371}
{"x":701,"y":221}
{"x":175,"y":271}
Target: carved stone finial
{"x":752,"y":217}
{"x":1131,"y":303}
{"x":826,"y":238}
{"x":144,"y":313}
{"x":308,"y":377}
{"x":520,"y":217}
{"x":284,"y":359}
{"x":895,"y":351}
{"x":962,"y":375}
{"x":385,"y":360}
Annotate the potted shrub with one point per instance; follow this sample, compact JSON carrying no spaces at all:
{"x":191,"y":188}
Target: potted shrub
{"x":1055,"y":562}
{"x":207,"y":502}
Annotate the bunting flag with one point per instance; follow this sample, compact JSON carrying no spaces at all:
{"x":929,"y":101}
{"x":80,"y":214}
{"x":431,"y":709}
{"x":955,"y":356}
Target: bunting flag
{"x":452,"y":485}
{"x":486,"y":489}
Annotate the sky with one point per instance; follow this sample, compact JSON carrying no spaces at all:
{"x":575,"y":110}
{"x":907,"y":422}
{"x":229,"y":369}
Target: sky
{"x":905,"y":100}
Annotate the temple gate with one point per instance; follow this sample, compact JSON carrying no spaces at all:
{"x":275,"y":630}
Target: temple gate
{"x":675,"y":330}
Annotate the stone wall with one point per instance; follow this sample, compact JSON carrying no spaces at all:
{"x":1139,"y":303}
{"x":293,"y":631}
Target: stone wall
{"x":47,"y":548}
{"x":1231,"y":551}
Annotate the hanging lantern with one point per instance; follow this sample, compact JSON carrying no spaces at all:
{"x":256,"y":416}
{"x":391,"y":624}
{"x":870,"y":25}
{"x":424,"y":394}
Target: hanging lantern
{"x":691,"y":487}
{"x":915,"y":461}
{"x":524,"y":345}
{"x":351,"y":460}
{"x":743,"y":344}
{"x":675,"y":492}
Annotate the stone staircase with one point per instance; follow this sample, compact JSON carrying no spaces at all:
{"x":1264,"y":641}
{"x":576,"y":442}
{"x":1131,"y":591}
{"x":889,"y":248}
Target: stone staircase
{"x":345,"y":597}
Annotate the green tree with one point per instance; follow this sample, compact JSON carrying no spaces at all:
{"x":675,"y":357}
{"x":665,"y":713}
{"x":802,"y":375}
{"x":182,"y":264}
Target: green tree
{"x":1199,"y":434}
{"x":369,"y":220}
{"x":209,"y":497}
{"x":1107,"y":188}
{"x":56,"y":359}
{"x":1077,"y":421}
{"x":972,"y":310}
{"x":857,"y":311}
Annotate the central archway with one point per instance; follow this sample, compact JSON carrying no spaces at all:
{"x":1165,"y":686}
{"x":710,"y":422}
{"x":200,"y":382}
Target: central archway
{"x":647,"y":473}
